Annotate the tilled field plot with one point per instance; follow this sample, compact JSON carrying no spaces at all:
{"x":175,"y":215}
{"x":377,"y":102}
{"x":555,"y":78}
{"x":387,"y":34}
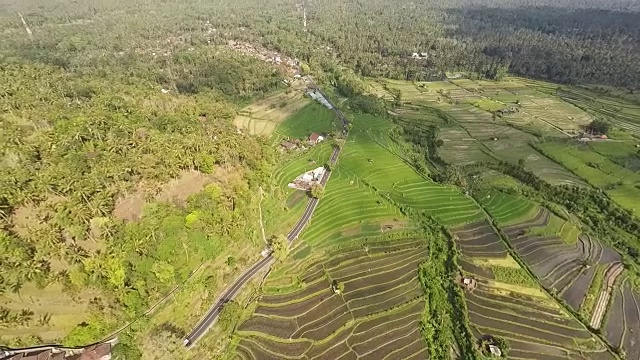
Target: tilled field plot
{"x":534,"y":324}
{"x":622,"y":324}
{"x":377,"y":316}
{"x":479,"y":240}
{"x":565,"y":268}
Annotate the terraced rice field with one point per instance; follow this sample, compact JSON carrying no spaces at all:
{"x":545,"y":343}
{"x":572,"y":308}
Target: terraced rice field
{"x":376,"y":317}
{"x":582,"y":273}
{"x":409,"y":92}
{"x":621,"y":113}
{"x":563,"y":266}
{"x":505,"y":208}
{"x":554,"y":111}
{"x":622,"y":153}
{"x":312,"y":118}
{"x":620,"y":183}
{"x":621,"y":326}
{"x":263,"y":116}
{"x":537,"y":163}
{"x":533,"y":323}
{"x":460,"y":148}
{"x":376,"y":88}
{"x":613,"y":271}
{"x":478,"y":240}
{"x":369,"y":171}
{"x":472,"y":134}
{"x":446,"y":204}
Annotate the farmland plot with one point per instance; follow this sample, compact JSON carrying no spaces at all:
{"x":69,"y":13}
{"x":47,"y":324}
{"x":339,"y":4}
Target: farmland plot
{"x":619,"y":182}
{"x":459,"y":148}
{"x":562,"y":265}
{"x":376,"y":315}
{"x":480,"y":241}
{"x":507,"y":209}
{"x":621,"y":326}
{"x":535,"y":162}
{"x":569,"y":269}
{"x":447,"y":204}
{"x":368,"y":161}
{"x":621,"y":113}
{"x":263,"y":116}
{"x":533,"y":323}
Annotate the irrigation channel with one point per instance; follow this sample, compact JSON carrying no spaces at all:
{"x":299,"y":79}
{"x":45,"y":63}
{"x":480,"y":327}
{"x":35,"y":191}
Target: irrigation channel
{"x":229,"y":293}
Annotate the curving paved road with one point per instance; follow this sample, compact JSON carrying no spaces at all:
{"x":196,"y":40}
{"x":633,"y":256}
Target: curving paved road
{"x":212,"y":315}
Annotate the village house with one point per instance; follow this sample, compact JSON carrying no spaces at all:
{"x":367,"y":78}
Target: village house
{"x":315,"y":138}
{"x":288,"y":145}
{"x":469,"y":284}
{"x":495,"y":351}
{"x":588,"y":136}
{"x":309,"y":178}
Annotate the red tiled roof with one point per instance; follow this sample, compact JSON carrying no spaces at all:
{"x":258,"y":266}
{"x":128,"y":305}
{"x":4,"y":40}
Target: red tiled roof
{"x":314,"y":136}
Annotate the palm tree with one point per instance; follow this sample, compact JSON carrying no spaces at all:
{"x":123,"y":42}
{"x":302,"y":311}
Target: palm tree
{"x":24,"y":316}
{"x":44,"y":320}
{"x":16,"y":287}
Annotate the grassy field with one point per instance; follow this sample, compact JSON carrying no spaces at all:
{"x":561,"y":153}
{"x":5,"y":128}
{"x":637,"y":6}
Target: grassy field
{"x":64,"y":310}
{"x":263,"y":116}
{"x":312,"y":118}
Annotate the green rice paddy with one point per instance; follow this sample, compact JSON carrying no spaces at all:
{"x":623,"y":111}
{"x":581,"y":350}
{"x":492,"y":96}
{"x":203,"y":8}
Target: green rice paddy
{"x":312,"y":118}
{"x":507,"y":209}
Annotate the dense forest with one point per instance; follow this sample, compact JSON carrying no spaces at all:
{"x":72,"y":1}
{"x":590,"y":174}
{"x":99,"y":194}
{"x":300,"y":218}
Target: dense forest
{"x":103,"y":99}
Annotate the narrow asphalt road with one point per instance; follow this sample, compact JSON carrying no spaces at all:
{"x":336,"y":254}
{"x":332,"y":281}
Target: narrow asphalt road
{"x":228,"y":295}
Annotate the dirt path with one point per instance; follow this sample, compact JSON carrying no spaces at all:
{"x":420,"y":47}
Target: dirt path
{"x":603,"y":300}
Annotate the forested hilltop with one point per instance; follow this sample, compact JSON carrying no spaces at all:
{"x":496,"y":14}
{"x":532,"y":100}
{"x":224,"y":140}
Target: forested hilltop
{"x":123,"y":173}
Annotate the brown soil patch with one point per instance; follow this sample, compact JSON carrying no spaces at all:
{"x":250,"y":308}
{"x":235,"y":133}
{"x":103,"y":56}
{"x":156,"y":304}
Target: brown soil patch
{"x":226,"y":175}
{"x":25,"y":219}
{"x":178,"y":190}
{"x":29,"y":217}
{"x":129,"y":206}
{"x":58,"y":264}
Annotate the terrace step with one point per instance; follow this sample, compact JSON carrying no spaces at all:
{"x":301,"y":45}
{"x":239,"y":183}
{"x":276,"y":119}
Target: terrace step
{"x":610,"y":276}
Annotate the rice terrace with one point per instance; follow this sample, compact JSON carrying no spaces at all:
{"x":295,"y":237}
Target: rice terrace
{"x":461,"y":219}
{"x":441,"y":179}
